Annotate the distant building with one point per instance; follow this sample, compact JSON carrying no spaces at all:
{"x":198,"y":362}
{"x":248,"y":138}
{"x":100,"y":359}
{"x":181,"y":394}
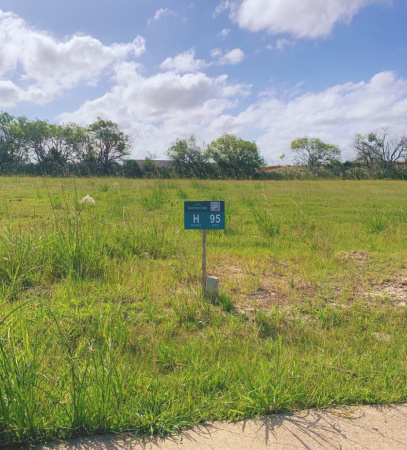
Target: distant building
{"x":160,"y":162}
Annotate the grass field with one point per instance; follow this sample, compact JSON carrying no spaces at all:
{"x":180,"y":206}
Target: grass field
{"x":103,"y":327}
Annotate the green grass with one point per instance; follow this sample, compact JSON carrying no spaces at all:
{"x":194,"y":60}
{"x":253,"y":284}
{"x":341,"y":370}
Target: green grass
{"x":103,"y":327}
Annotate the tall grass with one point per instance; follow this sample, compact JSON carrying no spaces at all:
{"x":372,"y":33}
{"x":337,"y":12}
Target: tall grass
{"x":265,"y":218}
{"x":57,"y":382}
{"x":77,"y":250}
{"x":154,"y":199}
{"x":80,"y":245}
{"x":374,"y":221}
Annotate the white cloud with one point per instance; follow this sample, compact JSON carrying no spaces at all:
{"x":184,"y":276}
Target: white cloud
{"x":234,"y":56}
{"x":156,"y":110}
{"x":334,"y":115}
{"x":225,"y":33}
{"x":186,"y":63}
{"x":221,"y":7}
{"x":9,"y":94}
{"x":183,"y":63}
{"x":282,"y":43}
{"x":161,"y":13}
{"x":300,"y":18}
{"x":46,"y":67}
{"x":216,"y":53}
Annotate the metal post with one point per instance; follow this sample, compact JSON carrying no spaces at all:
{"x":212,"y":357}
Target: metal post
{"x":204,"y":261}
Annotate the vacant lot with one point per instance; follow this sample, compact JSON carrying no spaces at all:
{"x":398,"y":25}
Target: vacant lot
{"x":103,"y":326}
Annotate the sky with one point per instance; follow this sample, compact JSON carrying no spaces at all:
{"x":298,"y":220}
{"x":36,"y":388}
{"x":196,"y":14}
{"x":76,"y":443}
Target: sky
{"x":264,"y":70}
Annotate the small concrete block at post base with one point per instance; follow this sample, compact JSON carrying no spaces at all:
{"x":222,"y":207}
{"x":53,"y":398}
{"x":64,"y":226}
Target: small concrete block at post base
{"x":212,"y":285}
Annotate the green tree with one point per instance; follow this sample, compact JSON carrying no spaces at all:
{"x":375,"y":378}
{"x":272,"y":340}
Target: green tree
{"x":313,"y":152}
{"x":37,"y":139}
{"x":77,"y":142}
{"x":6,"y":141}
{"x":380,"y":148}
{"x":132,"y":169}
{"x":51,"y":146}
{"x":235,"y":157}
{"x":13,"y":152}
{"x":187,"y":159}
{"x":109,"y":143}
{"x":150,"y":168}
{"x":85,"y":156}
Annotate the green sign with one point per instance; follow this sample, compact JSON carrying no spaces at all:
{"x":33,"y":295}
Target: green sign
{"x":204,"y":215}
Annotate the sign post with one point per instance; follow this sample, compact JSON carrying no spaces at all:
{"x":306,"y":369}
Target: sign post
{"x":203,"y":260}
{"x":204,"y":216}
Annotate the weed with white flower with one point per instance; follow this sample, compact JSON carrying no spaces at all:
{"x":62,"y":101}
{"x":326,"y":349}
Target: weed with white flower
{"x":88,"y":199}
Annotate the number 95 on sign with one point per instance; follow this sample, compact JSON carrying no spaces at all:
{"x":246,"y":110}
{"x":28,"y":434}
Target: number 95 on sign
{"x":204,"y":215}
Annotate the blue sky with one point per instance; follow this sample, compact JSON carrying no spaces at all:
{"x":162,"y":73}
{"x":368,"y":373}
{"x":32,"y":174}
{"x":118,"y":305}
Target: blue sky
{"x":265,"y":70}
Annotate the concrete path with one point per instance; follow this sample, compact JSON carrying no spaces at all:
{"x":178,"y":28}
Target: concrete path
{"x":367,"y":427}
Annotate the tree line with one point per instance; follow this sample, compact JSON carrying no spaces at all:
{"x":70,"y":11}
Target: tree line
{"x":378,"y":154}
{"x":37,"y":147}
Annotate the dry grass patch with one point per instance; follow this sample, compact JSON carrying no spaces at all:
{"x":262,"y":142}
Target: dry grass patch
{"x":359,"y":258}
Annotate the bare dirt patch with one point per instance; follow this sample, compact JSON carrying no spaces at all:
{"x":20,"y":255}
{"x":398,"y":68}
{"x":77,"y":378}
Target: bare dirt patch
{"x":395,"y":290}
{"x":263,"y":299}
{"x":269,"y":288}
{"x":276,"y":287}
{"x":275,"y":290}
